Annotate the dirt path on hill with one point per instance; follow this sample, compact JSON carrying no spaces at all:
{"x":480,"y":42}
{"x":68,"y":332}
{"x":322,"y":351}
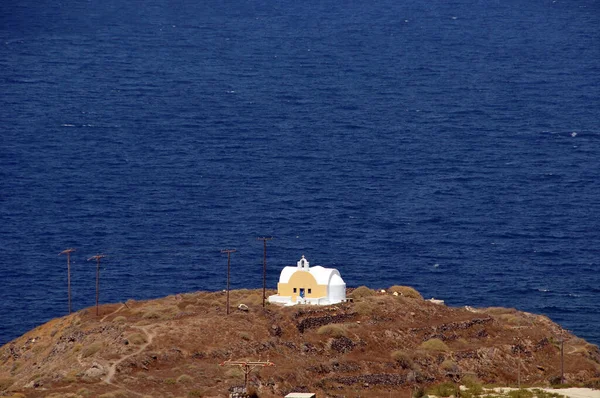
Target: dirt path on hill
{"x":114,"y":312}
{"x":113,"y":368}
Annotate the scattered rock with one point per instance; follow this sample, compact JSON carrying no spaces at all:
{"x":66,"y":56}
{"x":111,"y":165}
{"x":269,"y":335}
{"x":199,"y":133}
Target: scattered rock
{"x":95,"y":372}
{"x":342,"y":344}
{"x":243,"y":307}
{"x":275,"y":330}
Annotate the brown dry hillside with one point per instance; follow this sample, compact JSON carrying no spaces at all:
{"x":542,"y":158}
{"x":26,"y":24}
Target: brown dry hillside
{"x":378,"y":345}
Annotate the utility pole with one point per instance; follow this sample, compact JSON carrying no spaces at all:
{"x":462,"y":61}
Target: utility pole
{"x":517,"y":350}
{"x":228,"y":251}
{"x":68,"y":253}
{"x":562,"y":360}
{"x":247,"y":367}
{"x":264,"y":239}
{"x":97,"y":257}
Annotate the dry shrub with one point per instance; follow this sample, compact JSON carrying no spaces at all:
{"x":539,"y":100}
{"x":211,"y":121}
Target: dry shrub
{"x":449,"y":366}
{"x":499,"y":310}
{"x":120,"y":319}
{"x":5,"y":384}
{"x":252,"y":299}
{"x":137,"y":339}
{"x":184,"y":379}
{"x":402,"y":359}
{"x":152,"y":315}
{"x":513,"y":319}
{"x":434,"y":345}
{"x":234,"y":373}
{"x":245,"y":336}
{"x":332,"y":331}
{"x":361,"y":292}
{"x":462,"y":343}
{"x":160,"y":312}
{"x":406,"y":291}
{"x":14,"y":369}
{"x":363,"y":307}
{"x":91,"y":349}
{"x":84,"y":392}
{"x":70,"y":377}
{"x":186,"y":304}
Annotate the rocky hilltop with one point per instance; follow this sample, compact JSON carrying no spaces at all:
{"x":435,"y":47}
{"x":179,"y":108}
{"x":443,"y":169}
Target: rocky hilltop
{"x":381,"y":344}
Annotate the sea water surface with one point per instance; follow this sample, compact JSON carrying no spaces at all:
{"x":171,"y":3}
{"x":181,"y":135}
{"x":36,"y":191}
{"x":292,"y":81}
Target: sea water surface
{"x":450,"y":145}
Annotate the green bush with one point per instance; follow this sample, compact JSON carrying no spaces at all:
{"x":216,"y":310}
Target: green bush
{"x":544,"y":394}
{"x":593,"y":383}
{"x":434,"y":345}
{"x":522,"y":393}
{"x":419,"y":392}
{"x":444,"y":389}
{"x":473,"y":385}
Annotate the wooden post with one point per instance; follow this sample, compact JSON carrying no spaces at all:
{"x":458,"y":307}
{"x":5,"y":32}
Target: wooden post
{"x":228,"y":251}
{"x":68,"y":253}
{"x":264,"y":268}
{"x":562,"y":360}
{"x":97,"y":257}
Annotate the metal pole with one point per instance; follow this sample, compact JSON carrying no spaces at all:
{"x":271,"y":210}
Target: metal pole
{"x":264,"y":268}
{"x":228,"y":251}
{"x":97,"y":257}
{"x":68,"y":253}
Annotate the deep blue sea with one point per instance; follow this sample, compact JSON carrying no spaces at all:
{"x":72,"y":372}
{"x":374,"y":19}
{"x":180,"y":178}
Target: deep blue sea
{"x":450,"y":145}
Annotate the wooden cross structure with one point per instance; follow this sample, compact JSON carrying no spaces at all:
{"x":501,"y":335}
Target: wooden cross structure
{"x":247,"y":367}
